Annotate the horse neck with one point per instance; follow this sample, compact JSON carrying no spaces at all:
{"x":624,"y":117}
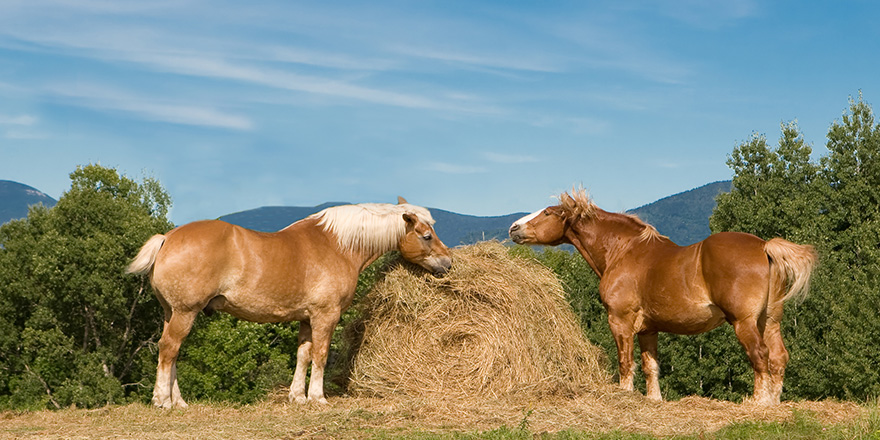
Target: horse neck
{"x":371,"y":241}
{"x":358,"y":256}
{"x":601,"y":237}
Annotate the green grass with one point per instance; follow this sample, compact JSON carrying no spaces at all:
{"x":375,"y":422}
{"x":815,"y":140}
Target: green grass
{"x":803,"y":426}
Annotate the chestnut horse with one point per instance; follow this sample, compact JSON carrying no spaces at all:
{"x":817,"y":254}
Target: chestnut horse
{"x":648,"y":284}
{"x":305,"y":272}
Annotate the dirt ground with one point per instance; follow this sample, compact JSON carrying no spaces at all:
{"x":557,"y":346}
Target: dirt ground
{"x":355,"y":418}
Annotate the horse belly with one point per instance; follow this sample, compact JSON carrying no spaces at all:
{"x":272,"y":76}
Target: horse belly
{"x":258,"y":307}
{"x":687,"y":320}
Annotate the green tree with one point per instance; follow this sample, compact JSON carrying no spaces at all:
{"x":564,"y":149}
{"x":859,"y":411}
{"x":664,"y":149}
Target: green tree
{"x":74,"y":329}
{"x":834,"y":205}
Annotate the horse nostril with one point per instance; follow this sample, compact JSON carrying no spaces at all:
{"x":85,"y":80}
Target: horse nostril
{"x":514,"y":227}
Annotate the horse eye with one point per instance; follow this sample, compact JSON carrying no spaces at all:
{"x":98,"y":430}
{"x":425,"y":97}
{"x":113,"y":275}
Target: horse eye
{"x":427,"y":236}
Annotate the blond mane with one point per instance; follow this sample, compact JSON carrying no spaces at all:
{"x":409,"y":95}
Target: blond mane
{"x":372,"y":228}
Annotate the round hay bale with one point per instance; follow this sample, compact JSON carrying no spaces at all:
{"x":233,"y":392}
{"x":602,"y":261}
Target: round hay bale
{"x":494,"y":325}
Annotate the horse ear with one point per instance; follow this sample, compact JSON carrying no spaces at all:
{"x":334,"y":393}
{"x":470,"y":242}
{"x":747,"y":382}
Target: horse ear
{"x":409,"y":219}
{"x":401,"y":201}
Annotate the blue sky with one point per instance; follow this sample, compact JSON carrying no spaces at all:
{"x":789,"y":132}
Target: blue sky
{"x":478,"y":107}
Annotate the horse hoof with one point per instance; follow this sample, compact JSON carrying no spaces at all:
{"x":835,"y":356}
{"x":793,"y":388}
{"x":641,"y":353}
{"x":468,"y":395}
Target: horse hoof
{"x":300,"y":400}
{"x":162,"y":405}
{"x":762,"y":401}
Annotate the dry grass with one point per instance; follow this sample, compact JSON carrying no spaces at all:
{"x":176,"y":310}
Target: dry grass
{"x":493,"y":326}
{"x":357,"y":418}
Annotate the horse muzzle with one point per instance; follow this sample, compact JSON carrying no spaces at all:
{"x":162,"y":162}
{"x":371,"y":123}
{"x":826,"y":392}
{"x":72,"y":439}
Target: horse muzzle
{"x":517,"y":234}
{"x":438,"y":265}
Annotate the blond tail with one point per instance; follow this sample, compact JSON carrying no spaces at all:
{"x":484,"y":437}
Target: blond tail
{"x":143,"y":263}
{"x":791,"y":266}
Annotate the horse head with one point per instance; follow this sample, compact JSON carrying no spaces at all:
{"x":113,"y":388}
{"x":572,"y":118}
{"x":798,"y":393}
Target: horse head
{"x":420,"y":245}
{"x":546,"y":227}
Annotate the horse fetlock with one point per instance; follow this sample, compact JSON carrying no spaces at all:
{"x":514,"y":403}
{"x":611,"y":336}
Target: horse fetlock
{"x":655,"y":396}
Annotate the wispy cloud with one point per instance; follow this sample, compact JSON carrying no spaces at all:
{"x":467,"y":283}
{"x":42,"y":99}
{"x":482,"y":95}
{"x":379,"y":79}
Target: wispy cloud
{"x":108,"y":99}
{"x":534,"y":63}
{"x":708,"y":14}
{"x":22,"y":135}
{"x":510,"y":158}
{"x":25,"y":120}
{"x":449,"y":168}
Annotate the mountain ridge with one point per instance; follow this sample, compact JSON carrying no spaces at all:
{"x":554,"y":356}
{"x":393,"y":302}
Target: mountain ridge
{"x":683,"y":217}
{"x":16,"y":198}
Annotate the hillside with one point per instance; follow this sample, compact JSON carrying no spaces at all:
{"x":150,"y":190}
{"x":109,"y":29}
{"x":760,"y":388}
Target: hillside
{"x":273,"y":218}
{"x":15,"y":198}
{"x":684,"y":217}
{"x":454,"y":229}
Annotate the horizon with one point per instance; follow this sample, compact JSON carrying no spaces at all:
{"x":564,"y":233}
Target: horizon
{"x":483,"y":108}
{"x":338,"y":202}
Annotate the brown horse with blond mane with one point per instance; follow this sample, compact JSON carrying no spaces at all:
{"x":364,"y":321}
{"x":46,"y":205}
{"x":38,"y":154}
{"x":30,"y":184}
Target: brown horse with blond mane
{"x":649,"y":284}
{"x":306,"y":272}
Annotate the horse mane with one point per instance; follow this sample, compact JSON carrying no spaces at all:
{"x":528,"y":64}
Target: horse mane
{"x":578,"y":205}
{"x":372,"y":228}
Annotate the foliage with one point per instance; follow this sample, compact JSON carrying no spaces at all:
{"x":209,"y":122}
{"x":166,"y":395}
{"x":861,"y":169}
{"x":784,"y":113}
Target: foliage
{"x":231,"y":360}
{"x":72,"y":326}
{"x":834,"y":204}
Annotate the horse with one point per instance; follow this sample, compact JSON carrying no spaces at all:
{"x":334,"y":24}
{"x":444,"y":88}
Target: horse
{"x":648,"y":284}
{"x":306,"y":272}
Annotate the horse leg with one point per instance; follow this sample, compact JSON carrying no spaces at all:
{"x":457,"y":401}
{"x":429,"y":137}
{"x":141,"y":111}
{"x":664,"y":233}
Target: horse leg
{"x":303,"y":359}
{"x":778,"y":354}
{"x":166,"y":393}
{"x":650,"y":365}
{"x":623,"y":337}
{"x":751,"y":337}
{"x":322,"y":331}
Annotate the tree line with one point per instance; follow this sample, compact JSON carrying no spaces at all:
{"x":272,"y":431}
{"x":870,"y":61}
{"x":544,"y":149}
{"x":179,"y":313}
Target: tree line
{"x":76,"y":330}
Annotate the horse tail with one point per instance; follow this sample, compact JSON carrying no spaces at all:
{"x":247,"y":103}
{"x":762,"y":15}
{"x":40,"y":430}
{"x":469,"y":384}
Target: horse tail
{"x":145,"y":259}
{"x":791,"y":266}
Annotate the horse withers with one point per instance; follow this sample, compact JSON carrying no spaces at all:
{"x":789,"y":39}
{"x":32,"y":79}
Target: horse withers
{"x":648,"y":284}
{"x":306,"y":272}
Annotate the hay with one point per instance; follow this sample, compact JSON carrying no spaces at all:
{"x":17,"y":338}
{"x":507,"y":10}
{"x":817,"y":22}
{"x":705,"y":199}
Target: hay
{"x":494,"y":326}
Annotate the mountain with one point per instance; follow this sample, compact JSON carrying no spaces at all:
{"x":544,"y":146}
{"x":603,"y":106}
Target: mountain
{"x":684,"y":217}
{"x":454,"y":229}
{"x":273,"y":218}
{"x":15,"y":198}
